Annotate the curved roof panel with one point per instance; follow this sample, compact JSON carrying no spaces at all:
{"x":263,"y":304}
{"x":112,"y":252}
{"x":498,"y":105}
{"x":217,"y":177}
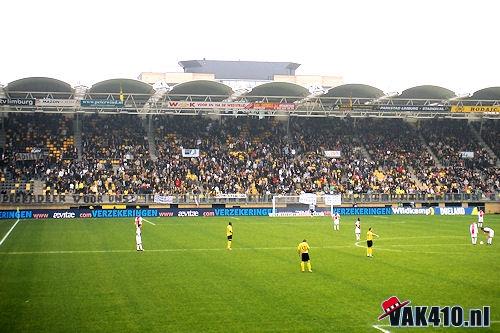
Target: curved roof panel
{"x":278,"y":91}
{"x":354,"y":90}
{"x":426,"y":92}
{"x":39,"y":87}
{"x":491,"y":93}
{"x":127,"y":86}
{"x":135,"y":92}
{"x":201,"y":87}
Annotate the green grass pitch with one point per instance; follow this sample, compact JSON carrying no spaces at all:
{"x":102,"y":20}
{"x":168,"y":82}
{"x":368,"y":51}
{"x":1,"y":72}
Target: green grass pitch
{"x":85,"y":275}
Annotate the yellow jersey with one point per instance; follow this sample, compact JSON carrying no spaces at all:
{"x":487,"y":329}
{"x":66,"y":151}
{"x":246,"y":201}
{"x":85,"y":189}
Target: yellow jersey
{"x":369,"y":236}
{"x":303,"y":248}
{"x":229,"y":230}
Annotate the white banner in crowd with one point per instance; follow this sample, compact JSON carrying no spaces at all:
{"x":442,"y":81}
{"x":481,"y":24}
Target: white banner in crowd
{"x":231,"y":196}
{"x":56,"y":102}
{"x":190,"y":152}
{"x":164,"y":199}
{"x":308,"y":198}
{"x":333,"y":199}
{"x":467,"y":154}
{"x":332,"y":153}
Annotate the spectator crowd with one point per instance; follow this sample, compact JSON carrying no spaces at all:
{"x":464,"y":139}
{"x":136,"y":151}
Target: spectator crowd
{"x":129,"y":154}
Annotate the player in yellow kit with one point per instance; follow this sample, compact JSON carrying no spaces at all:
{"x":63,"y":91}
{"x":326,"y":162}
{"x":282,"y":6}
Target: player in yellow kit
{"x":369,"y":242}
{"x":303,"y":250}
{"x":229,"y":234}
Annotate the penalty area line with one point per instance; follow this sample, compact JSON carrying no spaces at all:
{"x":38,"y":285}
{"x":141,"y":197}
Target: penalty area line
{"x":8,"y":232}
{"x":379,"y":327}
{"x":149,"y":221}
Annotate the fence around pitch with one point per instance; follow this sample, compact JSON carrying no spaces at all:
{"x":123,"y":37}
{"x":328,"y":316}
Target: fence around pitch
{"x":149,"y":199}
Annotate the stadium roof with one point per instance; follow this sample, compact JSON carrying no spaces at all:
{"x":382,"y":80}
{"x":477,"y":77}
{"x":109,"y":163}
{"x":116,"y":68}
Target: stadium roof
{"x":291,"y":91}
{"x":218,"y":90}
{"x":354,"y":90}
{"x":427,"y":92}
{"x":492,"y":93}
{"x":115,"y":86}
{"x":34,"y":85}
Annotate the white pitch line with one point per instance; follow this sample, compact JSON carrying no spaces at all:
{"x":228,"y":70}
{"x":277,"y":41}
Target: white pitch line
{"x":379,"y":327}
{"x":8,"y":232}
{"x":234,"y":218}
{"x":149,"y":221}
{"x":169,"y":250}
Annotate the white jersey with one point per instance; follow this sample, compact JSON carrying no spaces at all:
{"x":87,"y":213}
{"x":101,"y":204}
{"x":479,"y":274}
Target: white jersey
{"x":138,"y":221}
{"x":490,"y":231}
{"x":357,"y":227}
{"x":480,"y":216}
{"x":336,"y":218}
{"x":473,"y":229}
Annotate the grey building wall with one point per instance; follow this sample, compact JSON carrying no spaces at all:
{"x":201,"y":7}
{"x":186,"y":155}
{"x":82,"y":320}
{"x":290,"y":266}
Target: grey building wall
{"x":239,"y":70}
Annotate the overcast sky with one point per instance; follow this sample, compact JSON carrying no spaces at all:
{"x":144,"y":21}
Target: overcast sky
{"x":392,"y":45}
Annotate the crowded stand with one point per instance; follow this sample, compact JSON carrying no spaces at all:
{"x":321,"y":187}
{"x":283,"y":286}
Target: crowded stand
{"x":34,"y":144}
{"x":244,"y":155}
{"x":458,"y":173}
{"x":490,"y":133}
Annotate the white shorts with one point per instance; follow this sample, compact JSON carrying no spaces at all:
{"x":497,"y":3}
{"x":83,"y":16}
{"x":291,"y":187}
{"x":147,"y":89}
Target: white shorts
{"x":336,"y":222}
{"x":138,"y":239}
{"x":473,"y":235}
{"x":357,"y":231}
{"x":492,"y":234}
{"x":480,"y":219}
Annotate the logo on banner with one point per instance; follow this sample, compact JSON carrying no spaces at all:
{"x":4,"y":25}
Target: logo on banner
{"x":469,"y":108}
{"x":333,"y":199}
{"x":17,"y":101}
{"x":101,"y":103}
{"x":164,"y":199}
{"x":308,"y":198}
{"x":190,"y":152}
{"x":56,"y":102}
{"x":466,"y":154}
{"x":332,"y":153}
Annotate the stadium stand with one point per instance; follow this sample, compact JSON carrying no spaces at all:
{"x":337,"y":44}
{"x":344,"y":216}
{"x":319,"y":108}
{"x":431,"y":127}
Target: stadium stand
{"x":245,"y":155}
{"x":106,"y":150}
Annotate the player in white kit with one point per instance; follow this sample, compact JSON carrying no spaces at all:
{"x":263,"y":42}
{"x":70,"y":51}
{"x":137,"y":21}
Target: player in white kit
{"x":138,"y":233}
{"x":336,"y":221}
{"x":312,"y":208}
{"x":473,"y":232}
{"x":357,"y":229}
{"x":480,"y":218}
{"x":490,"y":232}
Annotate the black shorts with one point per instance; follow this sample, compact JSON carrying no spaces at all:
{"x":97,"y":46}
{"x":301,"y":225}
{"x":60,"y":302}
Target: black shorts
{"x":230,"y":237}
{"x":305,"y":257}
{"x":369,"y":243}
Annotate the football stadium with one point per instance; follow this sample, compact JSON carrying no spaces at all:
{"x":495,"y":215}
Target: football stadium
{"x":266,"y":166}
{"x":120,"y":201}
